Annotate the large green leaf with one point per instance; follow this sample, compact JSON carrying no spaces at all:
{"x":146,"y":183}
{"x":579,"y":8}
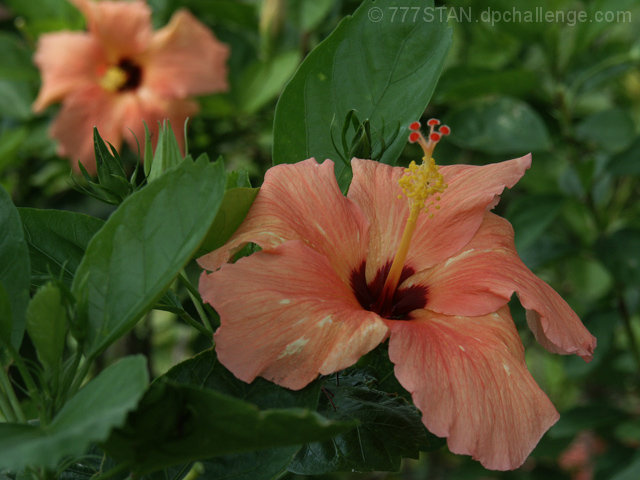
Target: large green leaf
{"x":234,"y":208}
{"x":143,"y":246}
{"x":531,"y":215}
{"x":57,"y":241}
{"x":88,"y":417}
{"x":262,"y":81}
{"x":374,"y":63}
{"x":14,"y":272}
{"x":177,"y":423}
{"x":499,"y":126}
{"x":389,"y":428}
{"x":266,"y":464}
{"x":204,"y":370}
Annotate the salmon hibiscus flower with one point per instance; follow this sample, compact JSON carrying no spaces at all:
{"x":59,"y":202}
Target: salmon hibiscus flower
{"x":338,"y":275}
{"x":121,"y":72}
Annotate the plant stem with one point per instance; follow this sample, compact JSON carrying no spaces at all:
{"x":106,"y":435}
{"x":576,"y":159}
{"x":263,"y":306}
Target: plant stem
{"x":6,"y":410}
{"x":197,"y":325}
{"x":626,"y":317}
{"x":67,"y":379}
{"x":194,"y":294}
{"x":33,"y":391}
{"x":15,"y":410}
{"x":80,"y":376}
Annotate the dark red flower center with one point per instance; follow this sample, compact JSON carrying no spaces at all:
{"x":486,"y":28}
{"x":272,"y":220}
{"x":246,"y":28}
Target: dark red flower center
{"x":133,"y":73}
{"x":404,"y":300}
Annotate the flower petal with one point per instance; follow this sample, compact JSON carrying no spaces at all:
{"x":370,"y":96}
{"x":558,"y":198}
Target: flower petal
{"x":285,"y":315}
{"x":484,"y":276}
{"x":81,"y":111}
{"x":184,"y":58}
{"x":123,"y":28}
{"x":67,"y":61}
{"x":301,"y":201}
{"x":471,"y":191}
{"x":469,"y":379}
{"x":376,"y":191}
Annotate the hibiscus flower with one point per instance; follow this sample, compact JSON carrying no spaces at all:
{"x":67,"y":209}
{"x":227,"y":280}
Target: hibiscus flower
{"x":121,"y":72}
{"x":338,"y":275}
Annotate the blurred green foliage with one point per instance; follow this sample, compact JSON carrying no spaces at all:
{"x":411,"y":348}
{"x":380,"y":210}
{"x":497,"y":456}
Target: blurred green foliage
{"x":567,"y":91}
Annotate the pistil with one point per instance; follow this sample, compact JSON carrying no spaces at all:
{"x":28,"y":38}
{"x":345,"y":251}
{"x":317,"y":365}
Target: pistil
{"x":419,"y":184}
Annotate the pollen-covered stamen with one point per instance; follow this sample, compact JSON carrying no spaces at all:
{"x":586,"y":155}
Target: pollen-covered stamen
{"x":127,"y":75}
{"x":419,"y":183}
{"x":113,"y":79}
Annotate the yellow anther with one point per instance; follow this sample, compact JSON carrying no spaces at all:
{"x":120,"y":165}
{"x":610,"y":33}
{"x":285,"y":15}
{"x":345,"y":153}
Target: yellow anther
{"x":420,"y":182}
{"x":113,"y":79}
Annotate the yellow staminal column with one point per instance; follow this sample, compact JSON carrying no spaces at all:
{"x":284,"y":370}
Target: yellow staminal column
{"x":113,"y":79}
{"x":419,"y":183}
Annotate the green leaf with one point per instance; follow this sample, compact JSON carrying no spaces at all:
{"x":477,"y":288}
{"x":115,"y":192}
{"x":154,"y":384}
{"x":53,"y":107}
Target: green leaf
{"x":385,"y":70}
{"x":142,"y":247}
{"x":590,"y":279}
{"x":88,"y":417}
{"x":11,"y":141}
{"x":267,"y":464}
{"x":390,"y":428}
{"x":586,"y":418}
{"x":612,"y":130}
{"x":47,"y":325}
{"x":498,"y":126}
{"x":204,"y":370}
{"x":626,"y":162}
{"x":262,"y":82}
{"x":308,"y":15}
{"x":620,"y":253}
{"x":631,"y":472}
{"x":531,"y":215}
{"x":14,"y":272}
{"x":179,"y":423}
{"x":57,"y":241}
{"x":15,"y":99}
{"x":45,"y":16}
{"x":463,"y":83}
{"x":235,"y":206}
